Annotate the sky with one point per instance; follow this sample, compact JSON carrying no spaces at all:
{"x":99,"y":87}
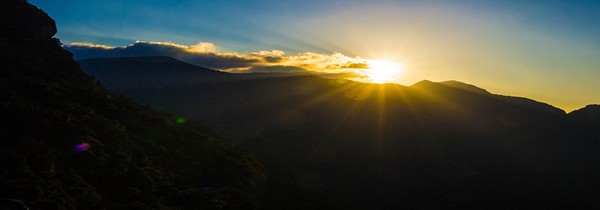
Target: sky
{"x":544,"y":50}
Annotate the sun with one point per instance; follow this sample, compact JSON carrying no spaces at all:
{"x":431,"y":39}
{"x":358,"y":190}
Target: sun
{"x":382,"y":72}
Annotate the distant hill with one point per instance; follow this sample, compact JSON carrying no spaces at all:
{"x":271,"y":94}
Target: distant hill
{"x":337,"y":144}
{"x":69,"y":144}
{"x":589,"y":114}
{"x":157,"y":71}
{"x":149,"y":71}
{"x":150,"y":64}
{"x":464,"y":86}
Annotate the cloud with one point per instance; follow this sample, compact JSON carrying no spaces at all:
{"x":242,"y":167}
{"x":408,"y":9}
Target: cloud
{"x":207,"y":54}
{"x":203,"y":47}
{"x":218,"y":61}
{"x":202,"y":54}
{"x":90,"y":45}
{"x":276,"y":69}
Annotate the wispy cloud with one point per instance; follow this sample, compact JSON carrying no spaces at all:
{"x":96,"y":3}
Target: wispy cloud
{"x":208,"y":55}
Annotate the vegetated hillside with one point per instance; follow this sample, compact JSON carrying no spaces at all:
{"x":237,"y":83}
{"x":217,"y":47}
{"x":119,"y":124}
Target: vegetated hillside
{"x":69,"y":144}
{"x":331,"y":143}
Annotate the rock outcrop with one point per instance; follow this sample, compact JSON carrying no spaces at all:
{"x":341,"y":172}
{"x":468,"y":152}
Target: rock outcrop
{"x":23,"y":21}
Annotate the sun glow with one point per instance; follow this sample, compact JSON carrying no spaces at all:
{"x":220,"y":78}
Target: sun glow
{"x":382,"y":72}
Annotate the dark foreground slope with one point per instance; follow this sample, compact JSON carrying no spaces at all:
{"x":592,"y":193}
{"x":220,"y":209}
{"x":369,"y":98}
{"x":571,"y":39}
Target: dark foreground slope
{"x":337,"y":144}
{"x":133,"y":157}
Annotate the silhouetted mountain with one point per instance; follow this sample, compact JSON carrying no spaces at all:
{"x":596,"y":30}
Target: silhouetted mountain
{"x":69,"y":144}
{"x":589,"y":114}
{"x":149,"y":65}
{"x":584,"y":125}
{"x":464,"y":86}
{"x":158,"y":71}
{"x":332,"y":143}
{"x":153,"y":71}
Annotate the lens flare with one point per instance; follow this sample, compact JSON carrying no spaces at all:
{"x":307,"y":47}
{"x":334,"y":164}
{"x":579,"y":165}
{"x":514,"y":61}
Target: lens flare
{"x":82,"y":147}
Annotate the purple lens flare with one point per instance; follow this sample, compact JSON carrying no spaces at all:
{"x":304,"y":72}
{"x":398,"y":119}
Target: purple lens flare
{"x":82,"y":147}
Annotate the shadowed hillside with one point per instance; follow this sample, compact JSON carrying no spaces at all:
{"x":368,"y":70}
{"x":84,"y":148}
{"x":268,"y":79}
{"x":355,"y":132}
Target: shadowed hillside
{"x":69,"y":144}
{"x":150,"y":72}
{"x":331,"y":143}
{"x":158,"y":71}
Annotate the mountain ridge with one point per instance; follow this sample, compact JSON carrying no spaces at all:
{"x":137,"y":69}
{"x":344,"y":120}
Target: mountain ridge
{"x":150,"y":60}
{"x":464,"y":86}
{"x":140,"y":61}
{"x":329,"y":140}
{"x":166,"y":97}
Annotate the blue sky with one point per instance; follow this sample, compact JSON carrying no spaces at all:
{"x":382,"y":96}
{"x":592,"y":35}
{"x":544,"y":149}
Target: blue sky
{"x":545,"y":50}
{"x":253,"y":25}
